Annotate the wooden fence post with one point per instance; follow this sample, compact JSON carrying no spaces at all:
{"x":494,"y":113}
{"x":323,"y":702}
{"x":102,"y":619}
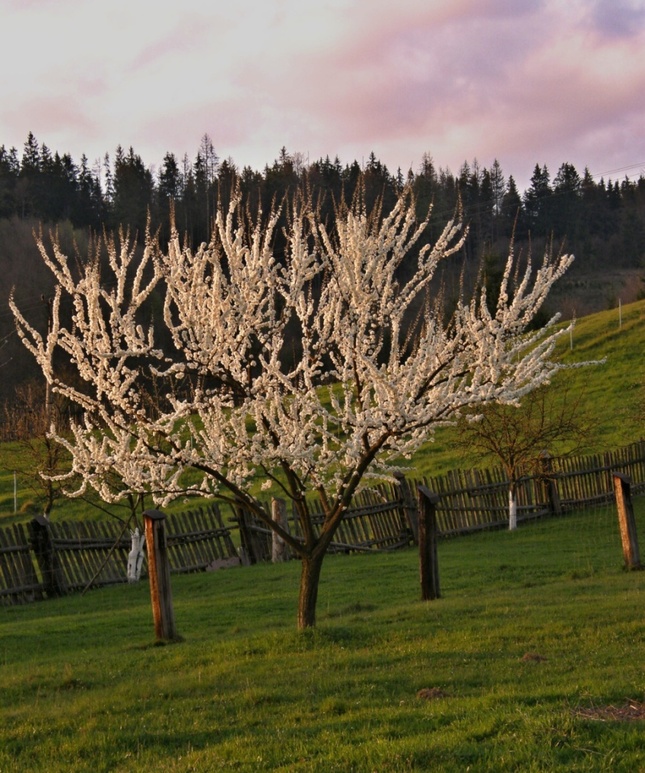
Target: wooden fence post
{"x":249,"y":554}
{"x":409,"y":505}
{"x":626,"y":521}
{"x":43,"y":545}
{"x":428,"y":560}
{"x":550,"y":483}
{"x":159,"y":575}
{"x":279,"y":548}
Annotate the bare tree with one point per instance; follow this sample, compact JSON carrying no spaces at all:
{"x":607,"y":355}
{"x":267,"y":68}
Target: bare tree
{"x":27,"y":419}
{"x":549,"y":420}
{"x":377,"y":369}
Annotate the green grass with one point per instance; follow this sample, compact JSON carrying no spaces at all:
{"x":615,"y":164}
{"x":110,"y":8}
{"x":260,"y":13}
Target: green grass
{"x":614,"y":391}
{"x":83,"y":688}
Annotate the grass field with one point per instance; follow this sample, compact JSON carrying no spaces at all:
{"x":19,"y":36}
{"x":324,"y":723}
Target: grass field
{"x":532,"y":660}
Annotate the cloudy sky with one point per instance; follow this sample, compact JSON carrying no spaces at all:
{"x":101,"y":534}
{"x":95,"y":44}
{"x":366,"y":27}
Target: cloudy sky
{"x":523,"y":81}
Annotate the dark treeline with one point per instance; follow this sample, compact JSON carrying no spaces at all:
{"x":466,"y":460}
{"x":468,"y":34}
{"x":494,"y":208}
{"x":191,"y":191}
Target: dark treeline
{"x":603,"y":220}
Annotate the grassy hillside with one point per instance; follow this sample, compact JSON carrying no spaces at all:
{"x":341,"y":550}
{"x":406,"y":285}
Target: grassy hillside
{"x":611,"y":395}
{"x":531,"y":660}
{"x":614,"y":391}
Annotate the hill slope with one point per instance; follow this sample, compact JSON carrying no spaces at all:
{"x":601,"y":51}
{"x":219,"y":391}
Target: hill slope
{"x":612,"y":394}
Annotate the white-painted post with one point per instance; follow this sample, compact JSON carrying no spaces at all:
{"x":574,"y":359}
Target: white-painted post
{"x":135,"y":557}
{"x":512,"y":508}
{"x":15,"y":493}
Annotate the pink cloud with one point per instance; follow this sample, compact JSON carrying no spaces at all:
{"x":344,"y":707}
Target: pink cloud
{"x":229,"y":123}
{"x":481,"y":81}
{"x":193,"y":32}
{"x":49,"y":118}
{"x":394,"y":78}
{"x":463,"y":79}
{"x":458,"y":78}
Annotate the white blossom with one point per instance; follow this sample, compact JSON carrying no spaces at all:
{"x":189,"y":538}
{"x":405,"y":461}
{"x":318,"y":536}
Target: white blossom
{"x":377,"y":368}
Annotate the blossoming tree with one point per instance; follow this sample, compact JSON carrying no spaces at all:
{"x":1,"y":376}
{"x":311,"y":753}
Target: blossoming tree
{"x":377,"y":366}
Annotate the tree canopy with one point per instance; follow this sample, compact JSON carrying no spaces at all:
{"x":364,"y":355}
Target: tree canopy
{"x":310,"y":367}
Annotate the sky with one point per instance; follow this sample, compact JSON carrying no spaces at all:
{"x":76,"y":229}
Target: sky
{"x":525,"y":82}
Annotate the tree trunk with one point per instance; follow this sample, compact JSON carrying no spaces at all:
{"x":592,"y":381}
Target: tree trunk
{"x":309,"y":579}
{"x":512,"y":508}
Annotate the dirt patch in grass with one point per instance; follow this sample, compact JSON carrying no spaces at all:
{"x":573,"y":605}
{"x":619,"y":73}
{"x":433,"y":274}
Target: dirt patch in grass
{"x":629,"y":711}
{"x":431,"y":693}
{"x":532,"y":657}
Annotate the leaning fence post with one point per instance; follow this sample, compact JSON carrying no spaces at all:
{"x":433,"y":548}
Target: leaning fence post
{"x":409,"y":505}
{"x":550,"y":483}
{"x":428,"y":559}
{"x":159,"y":575}
{"x":247,"y":546}
{"x":626,"y":521}
{"x":42,"y":543}
{"x":279,"y":548}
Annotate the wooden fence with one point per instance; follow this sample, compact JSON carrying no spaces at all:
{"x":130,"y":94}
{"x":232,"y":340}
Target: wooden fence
{"x":19,"y":581}
{"x":376,"y":521}
{"x":386,"y":517}
{"x":478,"y":499}
{"x":45,"y":559}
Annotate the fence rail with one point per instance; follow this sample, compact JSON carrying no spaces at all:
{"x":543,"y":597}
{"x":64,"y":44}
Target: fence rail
{"x":375,"y":521}
{"x":44,"y":559}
